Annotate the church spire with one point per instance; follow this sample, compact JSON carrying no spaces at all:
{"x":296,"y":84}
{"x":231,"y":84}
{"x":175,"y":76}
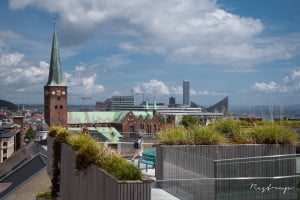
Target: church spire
{"x":154,"y":105}
{"x":55,"y":74}
{"x":147,"y":106}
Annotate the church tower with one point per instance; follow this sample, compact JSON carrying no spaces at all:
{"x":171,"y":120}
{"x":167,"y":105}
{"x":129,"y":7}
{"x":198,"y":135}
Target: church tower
{"x":55,"y":91}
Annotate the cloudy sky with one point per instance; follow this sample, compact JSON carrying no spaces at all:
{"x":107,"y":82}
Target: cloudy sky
{"x":246,"y":50}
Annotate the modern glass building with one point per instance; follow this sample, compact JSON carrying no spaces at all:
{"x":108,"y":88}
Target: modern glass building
{"x":121,"y":102}
{"x":186,"y":93}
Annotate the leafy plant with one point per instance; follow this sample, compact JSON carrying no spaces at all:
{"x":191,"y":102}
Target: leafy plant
{"x":243,"y":137}
{"x":122,"y":169}
{"x":87,"y":155}
{"x":45,"y":194}
{"x":188,"y":120}
{"x":227,"y":126}
{"x":29,"y":135}
{"x":205,"y":136}
{"x":61,"y":135}
{"x":273,"y":135}
{"x":174,"y":135}
{"x":89,"y":152}
{"x":80,"y":140}
{"x":54,"y":130}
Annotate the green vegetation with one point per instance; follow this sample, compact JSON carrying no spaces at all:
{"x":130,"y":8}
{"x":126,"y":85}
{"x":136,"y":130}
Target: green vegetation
{"x":205,"y":136}
{"x":188,"y":120}
{"x":91,"y":152}
{"x":61,"y":136}
{"x":8,"y":105}
{"x":174,"y":136}
{"x":228,"y":131}
{"x":227,"y":127}
{"x":273,"y":135}
{"x":29,"y":134}
{"x":45,"y":194}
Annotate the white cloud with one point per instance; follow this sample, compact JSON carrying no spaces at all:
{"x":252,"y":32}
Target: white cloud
{"x":176,"y":90}
{"x":82,"y":82}
{"x":265,"y":87}
{"x":7,"y":61}
{"x":79,"y":68}
{"x":152,"y":87}
{"x":192,"y":31}
{"x":286,"y":80}
{"x":295,"y":74}
{"x":15,"y":70}
{"x":290,"y":85}
{"x":204,"y":92}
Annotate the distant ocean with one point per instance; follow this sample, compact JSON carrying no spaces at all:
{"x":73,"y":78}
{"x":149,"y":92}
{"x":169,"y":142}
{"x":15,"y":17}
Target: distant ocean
{"x":267,"y":112}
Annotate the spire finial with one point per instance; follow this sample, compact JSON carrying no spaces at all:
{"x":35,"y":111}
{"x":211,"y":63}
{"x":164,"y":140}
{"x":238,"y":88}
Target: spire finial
{"x":54,"y":22}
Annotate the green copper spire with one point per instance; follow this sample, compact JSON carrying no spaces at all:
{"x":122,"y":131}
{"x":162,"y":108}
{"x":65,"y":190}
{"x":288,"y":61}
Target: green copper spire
{"x":154,"y":105}
{"x":55,"y":74}
{"x":147,"y":106}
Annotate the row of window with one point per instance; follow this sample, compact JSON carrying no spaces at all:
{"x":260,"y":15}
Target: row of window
{"x":149,"y":128}
{"x":60,"y":107}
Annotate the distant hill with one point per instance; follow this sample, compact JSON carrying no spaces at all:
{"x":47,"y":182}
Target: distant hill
{"x":8,"y":105}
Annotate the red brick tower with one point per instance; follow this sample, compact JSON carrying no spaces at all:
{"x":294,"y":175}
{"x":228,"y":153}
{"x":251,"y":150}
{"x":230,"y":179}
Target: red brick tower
{"x":55,"y":91}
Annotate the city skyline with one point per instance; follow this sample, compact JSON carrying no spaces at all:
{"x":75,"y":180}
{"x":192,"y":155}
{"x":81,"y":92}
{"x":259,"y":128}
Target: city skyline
{"x":248,"y":51}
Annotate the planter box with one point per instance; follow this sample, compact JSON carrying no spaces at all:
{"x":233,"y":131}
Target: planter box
{"x":96,"y":183}
{"x":232,"y":172}
{"x":49,"y":154}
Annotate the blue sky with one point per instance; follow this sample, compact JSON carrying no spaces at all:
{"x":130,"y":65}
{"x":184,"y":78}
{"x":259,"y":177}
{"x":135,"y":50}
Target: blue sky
{"x":246,"y":50}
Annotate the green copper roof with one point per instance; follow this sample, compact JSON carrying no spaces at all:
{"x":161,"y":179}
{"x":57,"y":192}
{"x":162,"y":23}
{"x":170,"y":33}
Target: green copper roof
{"x":55,"y":74}
{"x":103,"y":116}
{"x":154,"y":106}
{"x":110,"y":133}
{"x":147,"y":106}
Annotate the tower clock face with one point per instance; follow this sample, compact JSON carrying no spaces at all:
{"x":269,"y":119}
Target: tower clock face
{"x":63,"y":93}
{"x":53,"y":92}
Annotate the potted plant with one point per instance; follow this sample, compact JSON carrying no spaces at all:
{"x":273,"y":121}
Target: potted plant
{"x":212,"y":159}
{"x":86,"y":169}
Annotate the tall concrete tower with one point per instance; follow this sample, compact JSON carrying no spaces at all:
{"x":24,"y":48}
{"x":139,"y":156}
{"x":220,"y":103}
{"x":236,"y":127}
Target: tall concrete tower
{"x":186,"y":93}
{"x":55,"y":91}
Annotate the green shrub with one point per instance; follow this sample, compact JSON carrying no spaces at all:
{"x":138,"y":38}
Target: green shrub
{"x":80,"y":140}
{"x":61,"y":136}
{"x":205,"y":136}
{"x":122,"y":169}
{"x":87,"y":155}
{"x":174,"y":136}
{"x":273,"y":135}
{"x":188,"y":121}
{"x":45,"y":194}
{"x":90,"y":152}
{"x":227,"y":126}
{"x":54,"y":130}
{"x":243,"y":137}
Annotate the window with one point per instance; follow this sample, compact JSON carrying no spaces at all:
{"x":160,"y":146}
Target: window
{"x":4,"y":158}
{"x":61,"y":106}
{"x":55,"y":106}
{"x":58,"y":98}
{"x":4,"y":144}
{"x":4,"y":150}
